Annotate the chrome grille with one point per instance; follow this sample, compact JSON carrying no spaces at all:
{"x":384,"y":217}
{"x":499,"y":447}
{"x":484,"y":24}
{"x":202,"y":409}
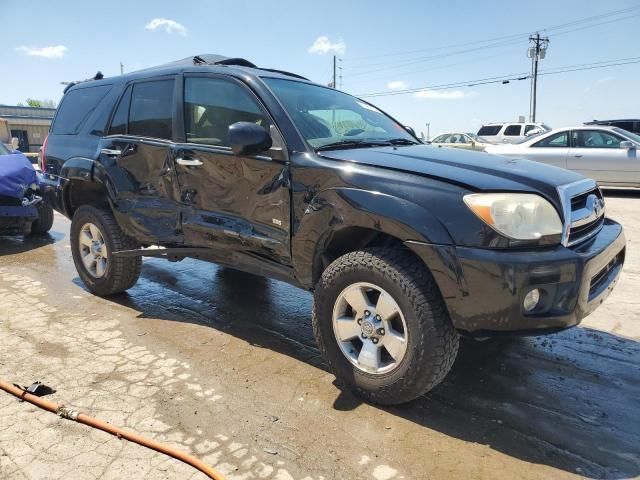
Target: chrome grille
{"x":583,"y":211}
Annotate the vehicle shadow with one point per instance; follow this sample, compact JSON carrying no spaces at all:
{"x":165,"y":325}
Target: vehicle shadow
{"x":15,"y":244}
{"x":570,"y":401}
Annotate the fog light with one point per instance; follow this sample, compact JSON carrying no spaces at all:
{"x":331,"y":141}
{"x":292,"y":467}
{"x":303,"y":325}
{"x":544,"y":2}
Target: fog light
{"x":531,"y":300}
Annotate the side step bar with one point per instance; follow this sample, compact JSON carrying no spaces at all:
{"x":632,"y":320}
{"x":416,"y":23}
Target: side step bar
{"x":169,"y":253}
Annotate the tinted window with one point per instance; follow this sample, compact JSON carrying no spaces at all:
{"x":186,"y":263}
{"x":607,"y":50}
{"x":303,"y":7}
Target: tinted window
{"x":595,"y":139}
{"x":623,"y":125}
{"x":513,"y":130}
{"x":76,"y":107}
{"x":489,"y":130}
{"x":211,"y":105}
{"x":529,"y":127}
{"x":120,"y":118}
{"x":150,"y":114}
{"x":558,"y":140}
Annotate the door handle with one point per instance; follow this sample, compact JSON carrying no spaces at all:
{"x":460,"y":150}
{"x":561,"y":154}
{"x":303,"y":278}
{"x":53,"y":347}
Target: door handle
{"x":111,"y":152}
{"x":578,"y":156}
{"x":189,"y":162}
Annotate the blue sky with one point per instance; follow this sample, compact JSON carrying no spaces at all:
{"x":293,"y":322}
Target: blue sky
{"x":383,"y":45}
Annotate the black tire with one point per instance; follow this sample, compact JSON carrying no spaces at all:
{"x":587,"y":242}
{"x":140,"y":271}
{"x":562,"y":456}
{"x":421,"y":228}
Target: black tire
{"x":121,"y":272}
{"x":432,"y":341}
{"x":44,"y":222}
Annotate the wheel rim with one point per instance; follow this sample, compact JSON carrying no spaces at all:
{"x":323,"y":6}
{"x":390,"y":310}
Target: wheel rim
{"x":370,"y":328}
{"x":93,"y":250}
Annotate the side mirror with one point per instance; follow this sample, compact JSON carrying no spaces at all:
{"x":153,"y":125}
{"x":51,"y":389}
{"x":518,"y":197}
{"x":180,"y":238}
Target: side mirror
{"x":248,"y":138}
{"x":627,"y":144}
{"x":410,"y":130}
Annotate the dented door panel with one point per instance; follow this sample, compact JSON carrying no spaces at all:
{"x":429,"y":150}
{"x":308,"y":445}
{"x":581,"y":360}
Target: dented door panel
{"x":142,"y":181}
{"x":234,"y":202}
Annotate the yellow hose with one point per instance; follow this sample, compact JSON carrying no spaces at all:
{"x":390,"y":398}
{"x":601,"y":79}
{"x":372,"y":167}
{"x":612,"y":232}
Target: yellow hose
{"x":79,"y":417}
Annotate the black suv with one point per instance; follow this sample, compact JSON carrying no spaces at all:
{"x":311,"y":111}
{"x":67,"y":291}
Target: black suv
{"x":405,"y":246}
{"x":630,"y":124}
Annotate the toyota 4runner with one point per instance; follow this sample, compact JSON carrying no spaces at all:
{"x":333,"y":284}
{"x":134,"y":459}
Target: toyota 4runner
{"x":404,"y":246}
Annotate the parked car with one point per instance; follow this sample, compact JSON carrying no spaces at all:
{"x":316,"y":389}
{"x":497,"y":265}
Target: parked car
{"x":607,"y":154}
{"x":468,"y":141}
{"x":510,"y":132}
{"x":405,"y":246}
{"x":22,"y":208}
{"x":630,"y":124}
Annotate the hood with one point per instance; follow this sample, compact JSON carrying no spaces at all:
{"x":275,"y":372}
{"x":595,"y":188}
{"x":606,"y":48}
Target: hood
{"x":475,"y":170}
{"x":16,"y":175}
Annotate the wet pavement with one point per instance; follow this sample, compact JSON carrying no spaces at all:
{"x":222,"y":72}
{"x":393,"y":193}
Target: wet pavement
{"x":223,"y":364}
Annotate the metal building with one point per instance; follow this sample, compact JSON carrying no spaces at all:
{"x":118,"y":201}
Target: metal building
{"x":30,"y":125}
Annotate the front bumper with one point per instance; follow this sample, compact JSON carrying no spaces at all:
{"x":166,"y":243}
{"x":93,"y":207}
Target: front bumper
{"x":16,"y":219}
{"x":484,"y":289}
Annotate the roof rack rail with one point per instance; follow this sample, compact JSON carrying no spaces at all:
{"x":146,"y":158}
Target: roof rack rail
{"x":97,"y":76}
{"x":241,"y":62}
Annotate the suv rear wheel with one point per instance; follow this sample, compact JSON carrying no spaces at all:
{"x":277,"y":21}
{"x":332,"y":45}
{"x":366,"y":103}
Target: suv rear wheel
{"x":382,"y":326}
{"x":95,"y":235}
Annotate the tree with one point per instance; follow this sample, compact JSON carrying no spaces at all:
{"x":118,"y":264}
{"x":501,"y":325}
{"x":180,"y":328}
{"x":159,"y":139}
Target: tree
{"x":47,"y":103}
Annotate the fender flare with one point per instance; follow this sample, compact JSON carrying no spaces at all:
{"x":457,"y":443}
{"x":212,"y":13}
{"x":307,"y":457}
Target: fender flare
{"x":333,"y":209}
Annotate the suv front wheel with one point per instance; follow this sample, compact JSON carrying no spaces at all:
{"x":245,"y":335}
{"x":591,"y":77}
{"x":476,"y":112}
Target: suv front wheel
{"x":382,"y":326}
{"x":95,"y":235}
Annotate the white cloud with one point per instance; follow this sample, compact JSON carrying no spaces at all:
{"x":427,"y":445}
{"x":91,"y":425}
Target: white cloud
{"x":54,"y":51}
{"x":443,"y":94}
{"x":397,"y":85}
{"x":323,"y":45}
{"x":170,"y":26}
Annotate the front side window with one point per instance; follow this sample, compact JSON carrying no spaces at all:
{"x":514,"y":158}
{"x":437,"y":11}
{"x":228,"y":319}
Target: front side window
{"x":76,"y":107}
{"x":558,"y":140}
{"x":151,"y":110}
{"x":513,"y":131}
{"x":211,"y":105}
{"x":439,"y":139}
{"x":595,"y":139}
{"x":326,"y":116}
{"x":529,"y":127}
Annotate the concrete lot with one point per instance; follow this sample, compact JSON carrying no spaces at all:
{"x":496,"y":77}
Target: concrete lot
{"x":223,"y":364}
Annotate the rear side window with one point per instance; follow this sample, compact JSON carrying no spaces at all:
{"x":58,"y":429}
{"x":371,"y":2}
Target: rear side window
{"x":489,"y":130}
{"x":121,"y":117}
{"x":628,"y":126}
{"x":513,"y":130}
{"x":151,"y":110}
{"x":76,"y":108}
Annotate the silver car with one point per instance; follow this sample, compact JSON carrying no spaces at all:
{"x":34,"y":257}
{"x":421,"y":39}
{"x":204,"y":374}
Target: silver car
{"x":467,"y":141}
{"x":609,"y":155}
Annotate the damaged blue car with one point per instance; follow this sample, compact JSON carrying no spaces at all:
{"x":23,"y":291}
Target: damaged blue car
{"x":23,"y":210}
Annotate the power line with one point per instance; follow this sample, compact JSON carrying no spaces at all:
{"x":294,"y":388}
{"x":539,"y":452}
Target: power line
{"x":512,"y":36}
{"x":509,"y":77}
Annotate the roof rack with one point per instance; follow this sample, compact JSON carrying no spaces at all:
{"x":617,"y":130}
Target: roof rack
{"x":241,"y":62}
{"x":97,"y":76}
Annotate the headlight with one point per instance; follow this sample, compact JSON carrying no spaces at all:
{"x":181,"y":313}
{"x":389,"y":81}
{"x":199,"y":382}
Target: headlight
{"x":521,"y":216}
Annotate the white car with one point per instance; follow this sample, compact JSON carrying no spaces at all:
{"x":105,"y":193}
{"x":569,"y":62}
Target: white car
{"x":468,"y":141}
{"x":513,"y":132}
{"x":609,"y":155}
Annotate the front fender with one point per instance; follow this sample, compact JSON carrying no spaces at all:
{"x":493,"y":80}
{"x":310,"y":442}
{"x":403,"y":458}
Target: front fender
{"x":334,"y":209}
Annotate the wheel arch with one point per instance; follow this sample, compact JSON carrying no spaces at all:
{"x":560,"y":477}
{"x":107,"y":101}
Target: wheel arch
{"x":85,"y":184}
{"x":338,"y":221}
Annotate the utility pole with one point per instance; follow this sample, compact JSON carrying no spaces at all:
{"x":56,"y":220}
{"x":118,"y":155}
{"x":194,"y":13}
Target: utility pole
{"x":334,"y":85}
{"x":536,"y":52}
{"x":121,"y":69}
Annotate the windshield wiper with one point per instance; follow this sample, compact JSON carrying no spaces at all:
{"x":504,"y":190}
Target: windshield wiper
{"x":401,"y":141}
{"x":353,"y":144}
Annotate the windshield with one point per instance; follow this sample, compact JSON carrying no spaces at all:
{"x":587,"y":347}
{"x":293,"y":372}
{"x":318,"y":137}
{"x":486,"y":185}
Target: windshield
{"x":628,"y":134}
{"x":4,"y":150}
{"x":327,"y":117}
